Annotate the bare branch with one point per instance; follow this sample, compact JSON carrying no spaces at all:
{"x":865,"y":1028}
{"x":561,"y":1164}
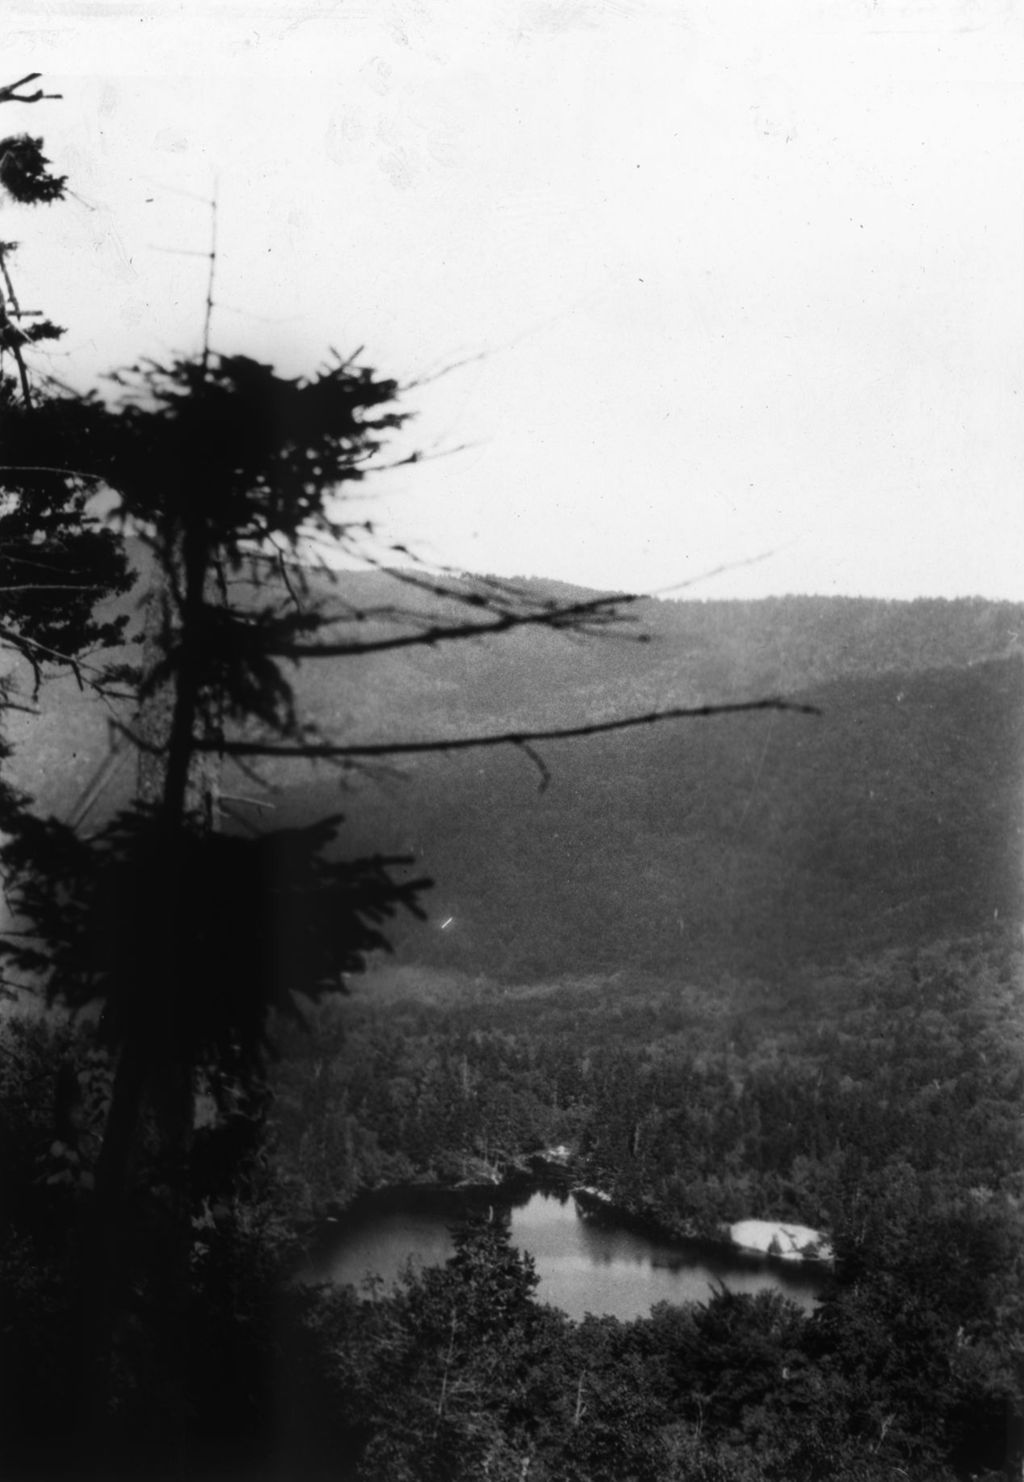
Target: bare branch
{"x":55,"y":586}
{"x":600,"y":610}
{"x":70,"y":473}
{"x":37,"y":654}
{"x":325,"y":751}
{"x":451,"y":585}
{"x":10,"y":94}
{"x":429,"y":377}
{"x":415,"y":457}
{"x":20,"y":641}
{"x":282,"y":566}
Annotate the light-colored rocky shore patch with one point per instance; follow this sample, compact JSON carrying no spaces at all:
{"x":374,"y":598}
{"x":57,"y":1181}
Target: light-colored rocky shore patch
{"x":772,"y":1238}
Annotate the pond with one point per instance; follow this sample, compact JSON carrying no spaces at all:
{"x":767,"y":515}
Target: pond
{"x":586,"y":1262}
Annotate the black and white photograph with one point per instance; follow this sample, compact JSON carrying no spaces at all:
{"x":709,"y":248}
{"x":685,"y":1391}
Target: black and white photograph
{"x":512,"y":741}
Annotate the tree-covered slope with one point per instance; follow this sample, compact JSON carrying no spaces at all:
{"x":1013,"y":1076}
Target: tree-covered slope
{"x":744,"y":843}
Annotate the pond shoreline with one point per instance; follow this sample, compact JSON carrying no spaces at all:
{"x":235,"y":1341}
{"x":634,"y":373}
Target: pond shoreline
{"x":539,"y":1175}
{"x":597,"y":1203}
{"x":589,"y":1256}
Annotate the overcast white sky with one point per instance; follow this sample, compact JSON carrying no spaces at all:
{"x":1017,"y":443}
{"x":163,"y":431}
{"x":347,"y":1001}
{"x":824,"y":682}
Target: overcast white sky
{"x":749,"y":273}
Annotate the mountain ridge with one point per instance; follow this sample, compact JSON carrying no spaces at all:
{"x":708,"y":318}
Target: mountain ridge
{"x":743,"y":843}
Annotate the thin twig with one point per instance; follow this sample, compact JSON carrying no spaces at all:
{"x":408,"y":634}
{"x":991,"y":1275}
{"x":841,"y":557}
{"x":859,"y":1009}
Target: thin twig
{"x":71,"y":473}
{"x":722,"y":570}
{"x":539,"y":762}
{"x":212,"y":254}
{"x":7,"y":278}
{"x":7,"y":323}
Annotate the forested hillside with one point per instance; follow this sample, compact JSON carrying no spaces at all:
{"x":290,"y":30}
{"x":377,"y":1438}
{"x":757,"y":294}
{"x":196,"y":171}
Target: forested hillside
{"x":663,"y":652}
{"x":854,"y":1097}
{"x":746,"y":843}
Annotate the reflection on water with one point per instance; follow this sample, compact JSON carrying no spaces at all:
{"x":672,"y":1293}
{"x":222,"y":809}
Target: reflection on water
{"x":585,"y":1264}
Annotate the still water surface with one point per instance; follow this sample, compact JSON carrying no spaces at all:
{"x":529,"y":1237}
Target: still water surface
{"x":585,"y":1263}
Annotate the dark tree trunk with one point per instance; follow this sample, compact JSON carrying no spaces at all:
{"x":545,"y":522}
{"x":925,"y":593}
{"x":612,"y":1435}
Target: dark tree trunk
{"x":139,"y":1252}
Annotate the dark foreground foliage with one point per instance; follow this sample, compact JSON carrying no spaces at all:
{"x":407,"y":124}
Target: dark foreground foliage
{"x":911,"y":1368}
{"x":461,"y":1374}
